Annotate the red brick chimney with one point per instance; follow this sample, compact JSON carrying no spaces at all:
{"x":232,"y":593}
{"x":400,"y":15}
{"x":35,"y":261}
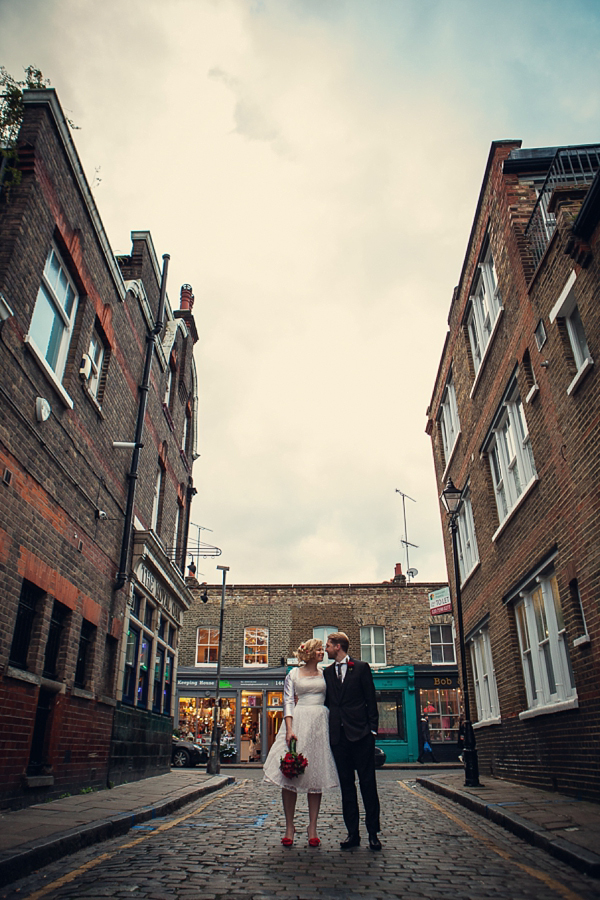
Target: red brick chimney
{"x":187,"y":297}
{"x":398,"y":576}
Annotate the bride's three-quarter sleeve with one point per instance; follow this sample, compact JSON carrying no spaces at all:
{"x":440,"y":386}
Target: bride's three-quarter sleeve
{"x":288,"y":695}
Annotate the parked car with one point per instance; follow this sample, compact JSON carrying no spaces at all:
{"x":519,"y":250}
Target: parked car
{"x":380,"y":757}
{"x":185,"y":753}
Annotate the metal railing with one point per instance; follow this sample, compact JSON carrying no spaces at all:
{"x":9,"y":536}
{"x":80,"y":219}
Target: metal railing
{"x":570,"y":166}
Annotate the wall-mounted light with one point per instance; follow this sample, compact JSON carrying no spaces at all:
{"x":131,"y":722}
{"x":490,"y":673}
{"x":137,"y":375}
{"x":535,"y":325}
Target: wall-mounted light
{"x":42,"y":409}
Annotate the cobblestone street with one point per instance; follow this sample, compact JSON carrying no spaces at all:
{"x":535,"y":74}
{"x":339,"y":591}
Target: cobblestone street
{"x":228,"y":845}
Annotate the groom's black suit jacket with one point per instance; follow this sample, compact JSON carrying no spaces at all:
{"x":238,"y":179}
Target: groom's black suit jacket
{"x":352,"y":702}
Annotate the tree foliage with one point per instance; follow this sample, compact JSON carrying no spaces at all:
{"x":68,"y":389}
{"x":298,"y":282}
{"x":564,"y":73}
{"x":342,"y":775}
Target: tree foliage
{"x":11,"y":116}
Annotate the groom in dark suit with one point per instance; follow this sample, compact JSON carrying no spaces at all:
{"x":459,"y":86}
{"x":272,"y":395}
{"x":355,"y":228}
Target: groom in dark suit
{"x":353,"y":723}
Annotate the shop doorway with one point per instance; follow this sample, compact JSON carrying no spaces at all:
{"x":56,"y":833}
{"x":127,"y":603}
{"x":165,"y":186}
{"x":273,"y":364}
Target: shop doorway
{"x":251,"y":726}
{"x":274,"y":716}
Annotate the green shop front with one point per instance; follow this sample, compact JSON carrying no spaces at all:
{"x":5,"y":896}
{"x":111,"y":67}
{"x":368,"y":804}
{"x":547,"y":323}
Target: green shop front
{"x":398,"y":730}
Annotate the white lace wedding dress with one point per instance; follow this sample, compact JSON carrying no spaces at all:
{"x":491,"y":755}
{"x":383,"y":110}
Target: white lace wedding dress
{"x":311,"y":727}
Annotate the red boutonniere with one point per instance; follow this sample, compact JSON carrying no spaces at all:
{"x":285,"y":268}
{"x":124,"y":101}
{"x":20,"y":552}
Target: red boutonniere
{"x":350,"y":663}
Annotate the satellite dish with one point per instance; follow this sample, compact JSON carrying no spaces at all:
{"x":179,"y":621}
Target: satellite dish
{"x":412,"y":572}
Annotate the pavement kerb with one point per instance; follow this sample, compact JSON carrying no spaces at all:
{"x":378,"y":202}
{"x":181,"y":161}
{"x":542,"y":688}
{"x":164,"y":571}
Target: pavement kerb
{"x":581,"y":859}
{"x":19,"y":863}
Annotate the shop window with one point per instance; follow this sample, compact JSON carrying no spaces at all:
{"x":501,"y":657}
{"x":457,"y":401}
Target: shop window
{"x":86,"y":641}
{"x":148,"y":615}
{"x":144,"y":673}
{"x":486,"y":692}
{"x":543,"y":644}
{"x":392,"y":723}
{"x":442,"y":644}
{"x":29,"y":600}
{"x":167,"y":689}
{"x":196,"y":718}
{"x":207,"y":646}
{"x":372,"y":644}
{"x":53,"y":643}
{"x":442,"y":708}
{"x":54,"y":315}
{"x":131,"y":659}
{"x":256,"y":646}
{"x":157,"y":694}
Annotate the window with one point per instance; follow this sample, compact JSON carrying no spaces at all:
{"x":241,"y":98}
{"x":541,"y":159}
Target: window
{"x":486,"y":693}
{"x":448,"y":419}
{"x":510,"y":454}
{"x":144,"y":673}
{"x":567,"y":316}
{"x":256,"y":646}
{"x":392,"y":724}
{"x":157,"y":503}
{"x":442,"y":706}
{"x":484,"y":308}
{"x":372,"y":644}
{"x":543,"y":644}
{"x":321,"y":633}
{"x":442,"y":644}
{"x":207,"y":646}
{"x":55,"y":631}
{"x":540,"y":335}
{"x":136,"y":605}
{"x":86,"y":640}
{"x":157,"y":695}
{"x":148,"y":614}
{"x":167,"y":686}
{"x":131,"y":659}
{"x":187,"y":430}
{"x":169,"y":387}
{"x":96,"y":354}
{"x":28,"y":604}
{"x":54,"y":314}
{"x":468,"y":555}
{"x":177,"y":535}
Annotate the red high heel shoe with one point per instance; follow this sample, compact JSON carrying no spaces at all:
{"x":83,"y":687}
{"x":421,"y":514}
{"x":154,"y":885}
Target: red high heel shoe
{"x":287,"y":842}
{"x":313,"y":842}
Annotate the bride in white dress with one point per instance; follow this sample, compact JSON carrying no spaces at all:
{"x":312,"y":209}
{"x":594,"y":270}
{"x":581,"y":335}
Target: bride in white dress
{"x":307,"y":720}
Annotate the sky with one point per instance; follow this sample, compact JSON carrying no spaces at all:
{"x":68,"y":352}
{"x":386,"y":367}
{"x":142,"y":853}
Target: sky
{"x":312,"y":167}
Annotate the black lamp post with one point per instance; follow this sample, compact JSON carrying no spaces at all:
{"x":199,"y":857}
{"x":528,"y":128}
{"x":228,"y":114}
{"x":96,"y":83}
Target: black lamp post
{"x":452,"y":499}
{"x":214,"y":759}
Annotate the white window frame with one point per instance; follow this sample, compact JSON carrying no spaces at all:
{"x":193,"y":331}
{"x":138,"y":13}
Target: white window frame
{"x":510,"y":454}
{"x":441,"y":643}
{"x":321,"y":633}
{"x":158,"y":489}
{"x":257,"y":652}
{"x":484,"y":677}
{"x":96,"y":354}
{"x":449,"y":420}
{"x":213,"y":632}
{"x":485,"y":308}
{"x":371,"y":647}
{"x":56,"y":287}
{"x":566,"y":308}
{"x":468,"y":552}
{"x":543,"y":646}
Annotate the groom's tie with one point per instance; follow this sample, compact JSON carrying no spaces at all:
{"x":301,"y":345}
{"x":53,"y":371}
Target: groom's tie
{"x":338,"y":671}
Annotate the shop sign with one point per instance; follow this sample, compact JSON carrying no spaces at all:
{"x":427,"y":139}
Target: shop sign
{"x":440,"y":602}
{"x":437,"y":681}
{"x":194,"y":682}
{"x":158,"y":592}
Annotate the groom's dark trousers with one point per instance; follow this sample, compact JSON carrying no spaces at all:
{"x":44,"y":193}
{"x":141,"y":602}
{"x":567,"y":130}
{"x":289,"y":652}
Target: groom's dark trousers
{"x":359,"y":756}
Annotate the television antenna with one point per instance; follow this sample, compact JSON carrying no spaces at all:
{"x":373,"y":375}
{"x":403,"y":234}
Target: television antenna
{"x":406,"y":542}
{"x":199,"y":549}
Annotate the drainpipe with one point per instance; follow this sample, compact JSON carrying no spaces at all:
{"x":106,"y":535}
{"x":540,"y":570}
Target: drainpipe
{"x":191,"y":492}
{"x":151,"y":340}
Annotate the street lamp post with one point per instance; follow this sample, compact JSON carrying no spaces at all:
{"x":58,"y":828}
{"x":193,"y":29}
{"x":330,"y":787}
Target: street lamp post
{"x":452,"y":499}
{"x":214,"y":759}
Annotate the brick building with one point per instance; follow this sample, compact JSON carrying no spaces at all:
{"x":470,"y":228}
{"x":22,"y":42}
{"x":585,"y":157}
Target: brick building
{"x":388,"y":624}
{"x":92,"y":535}
{"x":514,"y":422}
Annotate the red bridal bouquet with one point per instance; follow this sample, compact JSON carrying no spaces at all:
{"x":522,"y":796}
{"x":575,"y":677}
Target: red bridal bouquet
{"x":293,"y":763}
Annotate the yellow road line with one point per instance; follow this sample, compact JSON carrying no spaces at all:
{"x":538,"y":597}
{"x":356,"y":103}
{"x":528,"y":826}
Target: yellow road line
{"x":566,"y":892}
{"x":81,"y":870}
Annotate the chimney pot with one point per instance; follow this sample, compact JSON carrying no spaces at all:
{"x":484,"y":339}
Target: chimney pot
{"x":187,"y":297}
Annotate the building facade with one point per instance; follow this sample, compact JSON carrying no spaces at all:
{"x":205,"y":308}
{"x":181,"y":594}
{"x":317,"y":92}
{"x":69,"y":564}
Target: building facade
{"x":91,"y":607}
{"x":514,"y":422}
{"x":388,"y":624}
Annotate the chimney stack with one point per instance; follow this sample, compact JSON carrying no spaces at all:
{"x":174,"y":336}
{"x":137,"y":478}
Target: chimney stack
{"x":399,"y":578}
{"x":187,"y":297}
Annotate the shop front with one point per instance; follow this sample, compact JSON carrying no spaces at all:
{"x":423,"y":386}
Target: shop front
{"x":438,"y":697}
{"x":398,"y":735}
{"x":251,"y":709}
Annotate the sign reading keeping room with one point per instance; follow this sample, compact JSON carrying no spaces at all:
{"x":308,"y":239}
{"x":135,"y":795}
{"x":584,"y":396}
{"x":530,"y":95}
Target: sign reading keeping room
{"x":440,"y":602}
{"x":154,"y":587}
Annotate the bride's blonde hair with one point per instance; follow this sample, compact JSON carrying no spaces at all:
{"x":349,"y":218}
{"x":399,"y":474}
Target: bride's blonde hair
{"x":308,"y":650}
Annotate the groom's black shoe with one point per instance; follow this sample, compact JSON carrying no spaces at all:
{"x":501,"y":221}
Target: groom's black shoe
{"x":353,"y":840}
{"x":374,"y":842}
